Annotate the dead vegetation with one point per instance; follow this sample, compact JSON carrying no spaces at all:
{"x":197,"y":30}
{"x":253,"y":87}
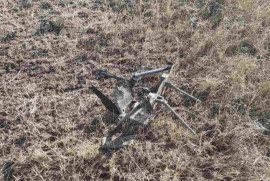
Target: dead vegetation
{"x":51,"y":124}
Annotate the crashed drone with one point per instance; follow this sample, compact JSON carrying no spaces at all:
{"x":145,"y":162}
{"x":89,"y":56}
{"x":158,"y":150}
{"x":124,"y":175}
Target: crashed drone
{"x":135,"y":103}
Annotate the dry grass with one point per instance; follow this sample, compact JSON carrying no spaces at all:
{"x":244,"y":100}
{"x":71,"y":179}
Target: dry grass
{"x":48,"y":117}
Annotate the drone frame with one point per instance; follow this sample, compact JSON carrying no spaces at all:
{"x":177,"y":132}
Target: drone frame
{"x":124,"y":99}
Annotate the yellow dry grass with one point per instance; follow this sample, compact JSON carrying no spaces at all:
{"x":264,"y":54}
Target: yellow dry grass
{"x":50,"y":50}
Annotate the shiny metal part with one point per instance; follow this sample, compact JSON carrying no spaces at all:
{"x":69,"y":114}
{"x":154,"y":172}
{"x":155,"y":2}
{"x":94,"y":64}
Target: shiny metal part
{"x":123,"y":98}
{"x":150,"y":72}
{"x":169,"y":84}
{"x":119,"y":142}
{"x":164,"y":102}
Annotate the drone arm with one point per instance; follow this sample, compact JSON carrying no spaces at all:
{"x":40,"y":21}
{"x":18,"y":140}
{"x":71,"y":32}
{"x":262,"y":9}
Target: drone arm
{"x":169,"y":84}
{"x":105,"y":100}
{"x":163,"y":101}
{"x":107,"y":75}
{"x":150,"y":72}
{"x":179,"y":117}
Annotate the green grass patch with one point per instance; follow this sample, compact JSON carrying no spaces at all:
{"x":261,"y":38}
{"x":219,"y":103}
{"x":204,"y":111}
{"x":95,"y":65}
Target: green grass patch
{"x":212,"y":12}
{"x":244,"y":47}
{"x":10,"y":36}
{"x":121,"y":6}
{"x":239,"y":106}
{"x":247,"y":47}
{"x":267,"y":47}
{"x":47,"y":26}
{"x":45,"y":5}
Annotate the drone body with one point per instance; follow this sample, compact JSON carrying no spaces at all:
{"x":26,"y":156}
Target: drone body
{"x":136,"y":103}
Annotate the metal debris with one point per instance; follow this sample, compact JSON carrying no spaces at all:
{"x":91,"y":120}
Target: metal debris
{"x":123,"y":97}
{"x":119,"y":142}
{"x":105,"y":100}
{"x":136,"y":103}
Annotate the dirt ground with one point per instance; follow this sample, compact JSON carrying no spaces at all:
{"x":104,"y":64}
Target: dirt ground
{"x":51,"y":124}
